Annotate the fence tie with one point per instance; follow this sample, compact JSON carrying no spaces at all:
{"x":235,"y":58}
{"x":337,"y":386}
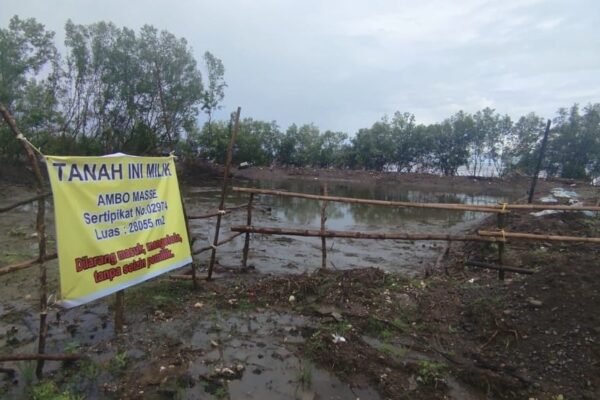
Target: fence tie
{"x":211,"y":245}
{"x":22,"y":138}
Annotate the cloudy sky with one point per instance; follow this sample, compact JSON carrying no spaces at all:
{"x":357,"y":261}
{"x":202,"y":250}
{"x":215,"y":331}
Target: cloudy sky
{"x":343,"y":64}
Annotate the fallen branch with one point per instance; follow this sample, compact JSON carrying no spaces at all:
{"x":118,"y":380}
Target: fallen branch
{"x":360,"y":235}
{"x":25,"y":264}
{"x":497,"y":267}
{"x":47,"y":357}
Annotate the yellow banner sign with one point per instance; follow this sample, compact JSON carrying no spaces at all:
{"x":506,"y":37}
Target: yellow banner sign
{"x":119,"y":222}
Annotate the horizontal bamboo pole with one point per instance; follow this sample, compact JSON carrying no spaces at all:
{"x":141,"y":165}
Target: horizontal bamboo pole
{"x":439,"y":206}
{"x":492,"y":208}
{"x":360,"y":235}
{"x":482,"y":264}
{"x":226,"y":240}
{"x":214,"y":214}
{"x":23,"y":202}
{"x":205,"y":216}
{"x":25,"y":264}
{"x":184,"y":277}
{"x":535,"y":237}
{"x":48,"y":357}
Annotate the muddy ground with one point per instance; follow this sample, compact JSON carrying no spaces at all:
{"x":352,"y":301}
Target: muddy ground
{"x":459,"y":333}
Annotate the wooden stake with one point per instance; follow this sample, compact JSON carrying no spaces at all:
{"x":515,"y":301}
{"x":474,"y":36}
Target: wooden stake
{"x":191,"y":242}
{"x":539,"y":163}
{"x":41,"y":232}
{"x":213,"y":254}
{"x":360,"y":235}
{"x":119,"y":311}
{"x":501,"y":222}
{"x":323,"y":219}
{"x":247,"y":238}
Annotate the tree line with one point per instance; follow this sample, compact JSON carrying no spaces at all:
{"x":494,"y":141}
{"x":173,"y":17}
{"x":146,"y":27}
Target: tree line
{"x":142,"y":93}
{"x":482,"y":143}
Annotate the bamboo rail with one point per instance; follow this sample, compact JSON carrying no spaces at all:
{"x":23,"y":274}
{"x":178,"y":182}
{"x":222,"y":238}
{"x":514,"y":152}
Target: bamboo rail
{"x":492,"y":208}
{"x":536,"y":237}
{"x":25,"y":264}
{"x":360,"y":235}
{"x":226,"y":240}
{"x":23,"y":202}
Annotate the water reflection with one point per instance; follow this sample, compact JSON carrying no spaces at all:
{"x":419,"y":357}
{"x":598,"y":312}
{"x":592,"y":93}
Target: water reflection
{"x":306,"y":213}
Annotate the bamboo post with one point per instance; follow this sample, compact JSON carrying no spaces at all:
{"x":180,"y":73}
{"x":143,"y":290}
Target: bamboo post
{"x":119,"y":311}
{"x":501,"y":223}
{"x":213,"y":254}
{"x":191,"y":241}
{"x":247,"y":238}
{"x":41,"y":232}
{"x":539,"y":163}
{"x":323,"y":219}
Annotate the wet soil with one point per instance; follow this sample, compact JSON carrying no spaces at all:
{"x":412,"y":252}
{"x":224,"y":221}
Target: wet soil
{"x":459,"y":333}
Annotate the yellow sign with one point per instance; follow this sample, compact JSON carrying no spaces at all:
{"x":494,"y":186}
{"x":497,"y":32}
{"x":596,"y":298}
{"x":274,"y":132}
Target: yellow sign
{"x":119,"y":222}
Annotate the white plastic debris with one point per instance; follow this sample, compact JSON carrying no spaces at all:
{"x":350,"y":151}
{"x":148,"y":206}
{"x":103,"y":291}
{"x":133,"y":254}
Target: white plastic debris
{"x":545,"y":212}
{"x":198,"y":305}
{"x":563,"y":193}
{"x":337,"y":338}
{"x":292,"y":298}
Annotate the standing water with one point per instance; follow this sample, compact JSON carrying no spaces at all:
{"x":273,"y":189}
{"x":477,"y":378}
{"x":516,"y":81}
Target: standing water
{"x":276,"y":254}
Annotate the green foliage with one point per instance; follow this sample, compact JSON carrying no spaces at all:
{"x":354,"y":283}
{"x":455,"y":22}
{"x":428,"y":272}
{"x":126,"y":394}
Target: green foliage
{"x":431,"y":372}
{"x":119,"y":363}
{"x":28,"y":81}
{"x":214,"y":93}
{"x":47,"y":390}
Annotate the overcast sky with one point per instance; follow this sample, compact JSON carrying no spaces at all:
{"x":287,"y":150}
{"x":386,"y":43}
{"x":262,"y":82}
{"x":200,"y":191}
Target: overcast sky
{"x":343,"y":64}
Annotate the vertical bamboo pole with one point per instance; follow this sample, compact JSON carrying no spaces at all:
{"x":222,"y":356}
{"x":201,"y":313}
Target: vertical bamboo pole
{"x":323,"y":219}
{"x":41,"y":234}
{"x":247,"y":238}
{"x":213,"y":254}
{"x":119,"y":311}
{"x":189,"y":233}
{"x":501,"y":216}
{"x":539,"y":163}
